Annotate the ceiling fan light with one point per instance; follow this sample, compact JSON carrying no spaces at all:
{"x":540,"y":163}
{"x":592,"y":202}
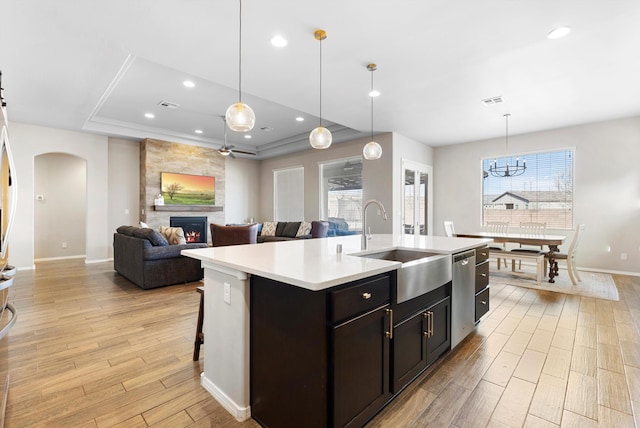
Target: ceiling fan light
{"x":372,"y":151}
{"x":320,"y":138}
{"x":240,"y":117}
{"x":224,"y":152}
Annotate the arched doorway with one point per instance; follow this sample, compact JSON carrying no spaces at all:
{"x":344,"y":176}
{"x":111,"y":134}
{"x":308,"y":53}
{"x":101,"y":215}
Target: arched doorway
{"x":60,"y":211}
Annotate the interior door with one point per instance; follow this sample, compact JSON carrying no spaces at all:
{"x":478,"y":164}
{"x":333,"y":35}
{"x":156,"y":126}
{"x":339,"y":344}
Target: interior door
{"x":417,"y":210}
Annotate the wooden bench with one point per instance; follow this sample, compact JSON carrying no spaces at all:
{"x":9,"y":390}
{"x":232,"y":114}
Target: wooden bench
{"x":538,"y":259}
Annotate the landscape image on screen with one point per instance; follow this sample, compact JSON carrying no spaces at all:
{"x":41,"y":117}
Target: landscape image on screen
{"x":186,"y":189}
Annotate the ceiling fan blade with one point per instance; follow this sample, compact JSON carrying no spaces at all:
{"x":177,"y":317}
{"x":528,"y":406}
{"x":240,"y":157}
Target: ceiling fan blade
{"x":245,"y":153}
{"x":231,"y":154}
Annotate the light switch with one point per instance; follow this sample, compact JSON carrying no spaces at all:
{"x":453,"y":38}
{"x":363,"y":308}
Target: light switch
{"x":227,"y":293}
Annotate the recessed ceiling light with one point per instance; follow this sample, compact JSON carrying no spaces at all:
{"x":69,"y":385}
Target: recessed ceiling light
{"x":374,"y":93}
{"x":300,"y":119}
{"x":189,"y":84}
{"x":558,"y":32}
{"x":248,"y":137}
{"x":279,"y":41}
{"x":198,"y":131}
{"x":149,"y":115}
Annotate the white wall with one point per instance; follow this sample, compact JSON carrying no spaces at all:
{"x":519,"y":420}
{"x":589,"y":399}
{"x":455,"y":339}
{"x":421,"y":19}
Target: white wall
{"x":60,"y":216}
{"x":29,"y":141}
{"x":124,"y":185}
{"x":242,"y":190}
{"x":376,"y":176}
{"x":607,"y":186}
{"x":405,"y":148}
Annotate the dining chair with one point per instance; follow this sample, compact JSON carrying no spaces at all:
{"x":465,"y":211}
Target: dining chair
{"x":570,"y":256}
{"x":498,"y":227}
{"x":448,"y":229}
{"x":532,"y":229}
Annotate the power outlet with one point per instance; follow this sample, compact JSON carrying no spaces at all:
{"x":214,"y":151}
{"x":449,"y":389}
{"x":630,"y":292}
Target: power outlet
{"x":64,"y":245}
{"x":623,"y":256}
{"x":227,"y":293}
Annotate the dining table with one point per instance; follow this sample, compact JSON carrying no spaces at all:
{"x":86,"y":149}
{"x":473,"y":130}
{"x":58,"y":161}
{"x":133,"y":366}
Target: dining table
{"x":551,"y":241}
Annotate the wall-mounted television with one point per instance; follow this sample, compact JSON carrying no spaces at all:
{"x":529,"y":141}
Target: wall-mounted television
{"x":187,"y":189}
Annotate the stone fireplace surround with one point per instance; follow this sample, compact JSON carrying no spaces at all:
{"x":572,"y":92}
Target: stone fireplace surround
{"x":158,"y":156}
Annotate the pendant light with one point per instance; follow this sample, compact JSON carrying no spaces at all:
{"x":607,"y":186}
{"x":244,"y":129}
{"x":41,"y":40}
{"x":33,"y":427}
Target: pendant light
{"x":239,"y":116}
{"x":506,"y":170}
{"x":372,"y":150}
{"x":320,"y":138}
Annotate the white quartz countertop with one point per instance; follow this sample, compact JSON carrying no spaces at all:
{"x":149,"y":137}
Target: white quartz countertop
{"x":314,"y":264}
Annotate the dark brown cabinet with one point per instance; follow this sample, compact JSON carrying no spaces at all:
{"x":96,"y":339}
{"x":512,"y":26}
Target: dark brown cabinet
{"x":319,"y":357}
{"x":360,"y":363}
{"x":419,"y":340}
{"x":335,"y":358}
{"x":482,"y":283}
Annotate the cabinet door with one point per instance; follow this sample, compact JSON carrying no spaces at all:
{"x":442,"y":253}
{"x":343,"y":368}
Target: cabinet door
{"x":439,"y":329}
{"x":360,"y":364}
{"x":409,"y":350}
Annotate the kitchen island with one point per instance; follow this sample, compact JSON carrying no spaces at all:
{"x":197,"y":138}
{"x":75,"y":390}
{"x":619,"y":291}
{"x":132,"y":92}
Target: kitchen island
{"x":287,"y":276}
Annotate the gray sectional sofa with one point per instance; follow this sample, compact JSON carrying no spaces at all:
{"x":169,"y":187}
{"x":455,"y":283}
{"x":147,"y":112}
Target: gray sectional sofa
{"x":144,"y":257}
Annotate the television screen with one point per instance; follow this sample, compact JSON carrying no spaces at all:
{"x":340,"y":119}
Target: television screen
{"x":186,"y":189}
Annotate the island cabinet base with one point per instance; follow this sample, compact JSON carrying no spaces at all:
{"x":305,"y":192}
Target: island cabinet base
{"x":320,"y":359}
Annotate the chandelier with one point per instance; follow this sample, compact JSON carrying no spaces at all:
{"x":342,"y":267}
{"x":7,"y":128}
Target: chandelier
{"x":507,"y":170}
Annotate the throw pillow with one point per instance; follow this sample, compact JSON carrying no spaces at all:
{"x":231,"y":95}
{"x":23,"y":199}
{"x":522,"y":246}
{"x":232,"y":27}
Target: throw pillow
{"x":151,"y":235}
{"x":175,"y":235}
{"x":290,"y":229}
{"x":269,"y":228}
{"x":143,"y":224}
{"x":304,"y":229}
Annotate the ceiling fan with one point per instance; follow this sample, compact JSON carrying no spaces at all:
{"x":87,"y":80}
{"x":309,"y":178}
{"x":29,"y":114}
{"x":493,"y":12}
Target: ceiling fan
{"x":227,"y":150}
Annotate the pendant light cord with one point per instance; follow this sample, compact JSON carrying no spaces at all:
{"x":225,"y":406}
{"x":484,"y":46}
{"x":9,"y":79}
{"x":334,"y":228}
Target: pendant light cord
{"x":321,"y":83}
{"x":507,"y":131}
{"x":240,"y":57}
{"x":371,"y":96}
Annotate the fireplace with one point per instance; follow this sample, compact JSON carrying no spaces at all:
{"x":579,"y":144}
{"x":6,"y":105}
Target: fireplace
{"x":195,"y":228}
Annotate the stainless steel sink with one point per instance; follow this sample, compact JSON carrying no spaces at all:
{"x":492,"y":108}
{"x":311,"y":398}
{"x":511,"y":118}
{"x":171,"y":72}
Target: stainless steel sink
{"x":419,"y":273}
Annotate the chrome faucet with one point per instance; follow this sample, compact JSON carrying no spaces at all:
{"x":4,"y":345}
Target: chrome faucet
{"x":365,"y":238}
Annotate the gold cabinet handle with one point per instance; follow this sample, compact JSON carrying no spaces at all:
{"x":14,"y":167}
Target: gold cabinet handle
{"x":366,"y":296}
{"x":483,"y":302}
{"x":483,"y":275}
{"x":484,"y":254}
{"x":389,"y":333}
{"x":431,"y":324}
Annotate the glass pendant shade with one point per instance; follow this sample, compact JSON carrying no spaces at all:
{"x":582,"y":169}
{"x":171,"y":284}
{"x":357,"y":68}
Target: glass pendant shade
{"x":240,"y":117}
{"x":372,"y":151}
{"x":320,"y":138}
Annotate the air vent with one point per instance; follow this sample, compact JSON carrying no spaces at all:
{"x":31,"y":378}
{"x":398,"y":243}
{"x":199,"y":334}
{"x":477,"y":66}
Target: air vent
{"x":493,"y":100}
{"x":266,"y":129}
{"x":168,"y":104}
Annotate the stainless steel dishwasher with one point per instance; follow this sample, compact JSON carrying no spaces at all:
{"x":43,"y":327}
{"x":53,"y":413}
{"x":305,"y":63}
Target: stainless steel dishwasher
{"x":462,"y":295}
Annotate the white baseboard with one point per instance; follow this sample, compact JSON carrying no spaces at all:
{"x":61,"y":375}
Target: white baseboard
{"x":50,"y":259}
{"x":240,"y":413}
{"x":88,"y":262}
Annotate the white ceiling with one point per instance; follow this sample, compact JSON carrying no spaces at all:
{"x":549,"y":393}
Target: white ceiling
{"x":99,"y":66}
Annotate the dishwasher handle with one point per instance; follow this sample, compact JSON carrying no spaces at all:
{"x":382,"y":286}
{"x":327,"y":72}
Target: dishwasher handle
{"x":464,"y":257}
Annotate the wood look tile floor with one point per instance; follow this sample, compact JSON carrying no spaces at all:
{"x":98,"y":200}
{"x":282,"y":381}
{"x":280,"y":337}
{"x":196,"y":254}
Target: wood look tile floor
{"x":90,"y":349}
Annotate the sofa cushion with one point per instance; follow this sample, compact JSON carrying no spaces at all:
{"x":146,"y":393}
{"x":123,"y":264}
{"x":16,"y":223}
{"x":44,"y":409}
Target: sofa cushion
{"x":290,"y":229}
{"x":151,"y":235}
{"x":269,"y":228}
{"x":319,"y":229}
{"x":126,"y":230}
{"x":280,"y":228}
{"x":175,"y":235}
{"x":304,"y":229}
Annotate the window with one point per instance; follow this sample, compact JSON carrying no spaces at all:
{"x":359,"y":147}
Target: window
{"x":341,"y":190}
{"x":544,"y":193}
{"x":288,"y":193}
